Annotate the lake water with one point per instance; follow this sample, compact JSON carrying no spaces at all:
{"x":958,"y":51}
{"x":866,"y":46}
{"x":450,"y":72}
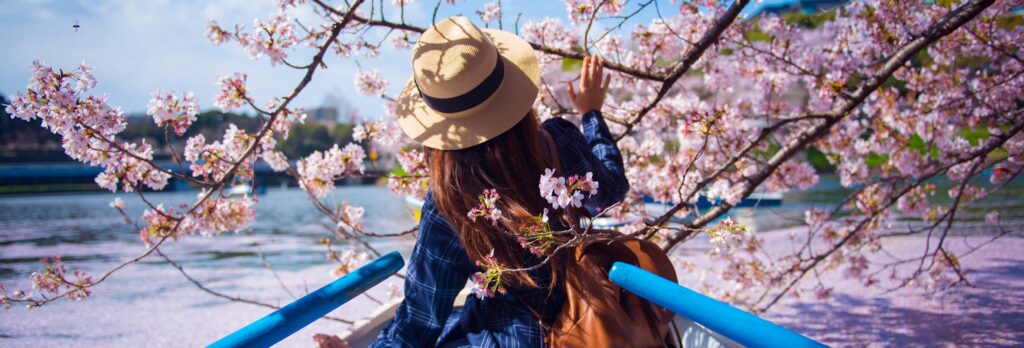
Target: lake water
{"x":151,"y":304}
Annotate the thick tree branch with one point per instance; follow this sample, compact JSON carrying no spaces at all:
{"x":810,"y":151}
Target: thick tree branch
{"x":949,"y":23}
{"x":648,"y":75}
{"x":710,"y":37}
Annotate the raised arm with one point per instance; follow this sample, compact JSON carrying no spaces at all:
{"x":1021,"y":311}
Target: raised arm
{"x":594,"y":150}
{"x":438,"y":270}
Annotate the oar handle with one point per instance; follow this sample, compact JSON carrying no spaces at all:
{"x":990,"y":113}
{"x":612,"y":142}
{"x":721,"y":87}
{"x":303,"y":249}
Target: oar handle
{"x":742,"y":327}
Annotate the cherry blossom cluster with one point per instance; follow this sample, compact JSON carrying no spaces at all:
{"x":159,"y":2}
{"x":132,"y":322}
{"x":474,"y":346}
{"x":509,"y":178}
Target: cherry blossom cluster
{"x":383,"y":132}
{"x":487,"y":208}
{"x":53,"y":280}
{"x":320,"y":170}
{"x":412,"y":179}
{"x":536,"y":236}
{"x":216,"y":34}
{"x":351,"y":217}
{"x":232,"y":92}
{"x":172,"y":110}
{"x":562,"y":193}
{"x":580,"y":11}
{"x":552,"y":33}
{"x":214,"y":215}
{"x":216,"y":160}
{"x":492,"y":11}
{"x":368,"y":82}
{"x":348,"y":262}
{"x":283,"y":124}
{"x":271,"y":38}
{"x":725,"y":234}
{"x":488,"y":283}
{"x":277,"y":160}
{"x":87,"y":126}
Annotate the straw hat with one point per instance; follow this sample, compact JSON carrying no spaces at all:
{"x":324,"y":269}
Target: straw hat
{"x":469,"y":85}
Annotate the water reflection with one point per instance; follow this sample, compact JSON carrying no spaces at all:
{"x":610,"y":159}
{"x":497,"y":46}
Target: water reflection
{"x":84,"y":230}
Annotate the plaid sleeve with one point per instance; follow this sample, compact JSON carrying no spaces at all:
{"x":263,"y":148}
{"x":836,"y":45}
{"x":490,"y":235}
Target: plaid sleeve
{"x":593,"y":150}
{"x":437,"y":271}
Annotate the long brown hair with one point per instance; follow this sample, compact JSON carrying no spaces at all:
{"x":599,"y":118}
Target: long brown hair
{"x":511,"y":163}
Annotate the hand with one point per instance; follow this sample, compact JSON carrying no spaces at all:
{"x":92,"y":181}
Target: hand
{"x":593,"y":86}
{"x":329,"y":341}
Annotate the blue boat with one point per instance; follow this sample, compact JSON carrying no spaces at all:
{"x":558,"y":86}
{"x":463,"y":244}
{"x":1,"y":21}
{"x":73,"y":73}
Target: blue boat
{"x":700,"y":320}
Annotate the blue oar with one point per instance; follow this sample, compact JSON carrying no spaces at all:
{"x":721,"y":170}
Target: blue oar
{"x":296,"y":315}
{"x":742,"y":327}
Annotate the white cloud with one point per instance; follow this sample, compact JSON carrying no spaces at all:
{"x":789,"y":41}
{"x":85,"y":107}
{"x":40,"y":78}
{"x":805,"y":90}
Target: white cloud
{"x":138,"y":47}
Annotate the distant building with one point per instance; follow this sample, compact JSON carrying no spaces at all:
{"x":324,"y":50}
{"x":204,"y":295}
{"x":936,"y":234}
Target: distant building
{"x":324,"y":115}
{"x":787,"y":6}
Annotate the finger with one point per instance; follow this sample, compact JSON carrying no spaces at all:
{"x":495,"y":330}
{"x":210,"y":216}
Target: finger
{"x":607,"y":79}
{"x":598,"y":72}
{"x":585,"y":74}
{"x":590,"y":72}
{"x":571,"y":90}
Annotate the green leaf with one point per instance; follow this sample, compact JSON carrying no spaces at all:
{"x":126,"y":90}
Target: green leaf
{"x":818,"y":159}
{"x":975,"y":135}
{"x":571,"y":64}
{"x":757,"y":35}
{"x":875,"y":160}
{"x":770,"y":151}
{"x":398,"y":170}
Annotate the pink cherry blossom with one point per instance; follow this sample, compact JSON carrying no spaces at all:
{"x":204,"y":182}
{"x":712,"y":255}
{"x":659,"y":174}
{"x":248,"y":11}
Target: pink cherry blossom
{"x":215,"y":34}
{"x":271,"y":38}
{"x":488,"y":283}
{"x":277,"y":161}
{"x":368,"y":82}
{"x":992,"y":217}
{"x":169,"y":109}
{"x":415,"y":181}
{"x":56,"y":280}
{"x":492,"y":11}
{"x":561,"y":193}
{"x":351,"y":216}
{"x":487,"y":208}
{"x":320,"y":170}
{"x":725,"y":234}
{"x":232,"y":92}
{"x":383,"y":132}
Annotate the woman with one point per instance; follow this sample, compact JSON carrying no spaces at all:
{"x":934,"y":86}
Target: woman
{"x":470,"y":104}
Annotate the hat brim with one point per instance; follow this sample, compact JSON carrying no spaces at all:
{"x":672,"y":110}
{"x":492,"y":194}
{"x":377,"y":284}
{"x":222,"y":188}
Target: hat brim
{"x":505,"y":107}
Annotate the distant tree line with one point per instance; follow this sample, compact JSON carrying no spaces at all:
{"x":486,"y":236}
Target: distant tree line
{"x":22,"y":141}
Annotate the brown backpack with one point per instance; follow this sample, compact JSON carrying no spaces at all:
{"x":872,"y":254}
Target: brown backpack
{"x":597,"y":313}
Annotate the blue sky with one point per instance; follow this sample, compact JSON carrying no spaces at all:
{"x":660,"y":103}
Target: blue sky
{"x":136,"y":47}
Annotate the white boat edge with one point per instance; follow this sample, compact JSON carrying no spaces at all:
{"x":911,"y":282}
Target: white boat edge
{"x":363,"y":332}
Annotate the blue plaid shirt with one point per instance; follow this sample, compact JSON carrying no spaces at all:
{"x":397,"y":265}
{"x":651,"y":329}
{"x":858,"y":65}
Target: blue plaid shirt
{"x":439,"y":266}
